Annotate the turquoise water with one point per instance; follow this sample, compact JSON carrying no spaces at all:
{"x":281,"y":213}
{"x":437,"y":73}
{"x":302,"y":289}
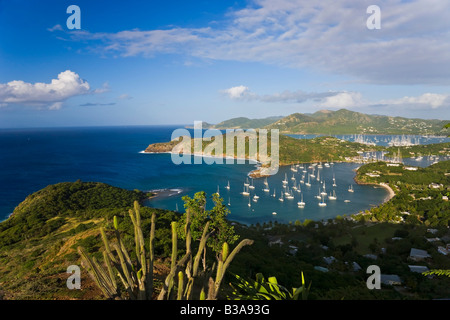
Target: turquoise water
{"x":31,"y":159}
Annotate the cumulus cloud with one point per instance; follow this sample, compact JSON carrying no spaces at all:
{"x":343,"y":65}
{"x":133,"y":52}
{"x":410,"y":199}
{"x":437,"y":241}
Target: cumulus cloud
{"x":410,"y":48}
{"x":343,"y":100}
{"x":44,"y":95}
{"x":238,"y":92}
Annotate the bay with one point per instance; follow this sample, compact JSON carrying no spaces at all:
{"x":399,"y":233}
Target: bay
{"x":31,"y":159}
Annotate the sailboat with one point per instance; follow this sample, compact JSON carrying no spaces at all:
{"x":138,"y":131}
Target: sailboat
{"x":281,"y":197}
{"x":245,"y":192}
{"x":285,"y":179}
{"x":332,"y":197}
{"x":274,"y":194}
{"x":301,"y":204}
{"x":290,"y":196}
{"x":312,"y":173}
{"x":293,"y":168}
{"x":318,"y":175}
{"x":228,"y":186}
{"x":318,"y":195}
{"x":322,"y":203}
{"x":308,"y":184}
{"x":218,"y":191}
{"x":350,"y":189}
{"x":299,"y":189}
{"x":251,"y":186}
{"x":334,"y":181}
{"x":246,"y":183}
{"x":249,"y":204}
{"x":266,"y":183}
{"x":229,"y":203}
{"x":324,"y":192}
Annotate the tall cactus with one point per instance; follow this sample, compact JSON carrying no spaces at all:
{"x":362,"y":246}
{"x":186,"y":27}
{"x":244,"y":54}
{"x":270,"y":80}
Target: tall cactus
{"x":137,"y":278}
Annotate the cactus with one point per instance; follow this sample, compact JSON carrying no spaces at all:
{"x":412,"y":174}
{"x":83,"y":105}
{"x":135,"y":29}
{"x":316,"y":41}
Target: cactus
{"x":137,"y":277}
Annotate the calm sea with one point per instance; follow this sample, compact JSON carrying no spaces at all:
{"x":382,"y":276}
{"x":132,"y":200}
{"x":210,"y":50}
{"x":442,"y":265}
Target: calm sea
{"x":31,"y":159}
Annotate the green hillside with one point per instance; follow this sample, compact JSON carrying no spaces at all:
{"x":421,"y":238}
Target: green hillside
{"x":349,"y":122}
{"x":246,"y":123}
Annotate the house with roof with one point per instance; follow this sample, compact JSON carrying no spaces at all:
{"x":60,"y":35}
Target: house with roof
{"x":418,"y":254}
{"x":418,"y":269}
{"x":390,"y":279}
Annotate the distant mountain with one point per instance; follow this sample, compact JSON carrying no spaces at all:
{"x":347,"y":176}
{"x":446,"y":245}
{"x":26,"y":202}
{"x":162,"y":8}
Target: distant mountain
{"x":246,"y":123}
{"x":350,"y":122}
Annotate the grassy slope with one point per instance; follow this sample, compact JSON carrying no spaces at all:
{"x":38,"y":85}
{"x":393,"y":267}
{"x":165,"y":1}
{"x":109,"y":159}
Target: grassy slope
{"x":39,"y":241}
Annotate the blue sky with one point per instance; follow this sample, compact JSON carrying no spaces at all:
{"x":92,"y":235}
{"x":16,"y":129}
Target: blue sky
{"x":173,"y":62}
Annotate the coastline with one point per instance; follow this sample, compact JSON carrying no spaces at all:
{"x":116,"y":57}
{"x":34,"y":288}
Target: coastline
{"x":389,"y":189}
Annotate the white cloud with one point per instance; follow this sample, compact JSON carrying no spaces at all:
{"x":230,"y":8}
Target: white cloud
{"x":44,"y":95}
{"x":410,"y":48}
{"x":237,"y":92}
{"x":244,"y":93}
{"x":343,"y":100}
{"x":426,"y":100}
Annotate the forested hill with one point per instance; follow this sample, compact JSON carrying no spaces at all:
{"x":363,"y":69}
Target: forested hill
{"x":342,"y":121}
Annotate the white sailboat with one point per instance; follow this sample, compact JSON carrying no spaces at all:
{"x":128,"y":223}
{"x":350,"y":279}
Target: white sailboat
{"x":334,"y":181}
{"x":274,"y":194}
{"x":228,"y":186}
{"x":285,"y":181}
{"x":245,"y":192}
{"x":319,"y":196}
{"x":318,"y":175}
{"x":322,"y":203}
{"x":246,"y":183}
{"x":301,"y":204}
{"x":324,"y":192}
{"x":308,"y":184}
{"x":249,"y":203}
{"x":332,"y":197}
{"x":312,"y":173}
{"x":218,"y":191}
{"x":350,"y":189}
{"x":251,"y":186}
{"x":281,"y":198}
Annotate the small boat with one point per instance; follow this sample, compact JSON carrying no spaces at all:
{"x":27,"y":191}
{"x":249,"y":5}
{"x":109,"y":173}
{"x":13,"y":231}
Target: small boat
{"x":308,"y":184}
{"x":285,"y":181}
{"x":301,"y":204}
{"x":322,"y":203}
{"x":246,"y":183}
{"x":332,"y":197}
{"x":251,"y":186}
{"x":274,"y":213}
{"x":281,"y":197}
{"x":350,"y":189}
{"x":218,"y":191}
{"x":228,"y":186}
{"x":249,"y":204}
{"x":245,"y":192}
{"x":324,"y":193}
{"x":346,"y":200}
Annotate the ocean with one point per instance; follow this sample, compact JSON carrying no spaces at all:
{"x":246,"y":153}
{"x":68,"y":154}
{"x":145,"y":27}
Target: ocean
{"x":32,"y":159}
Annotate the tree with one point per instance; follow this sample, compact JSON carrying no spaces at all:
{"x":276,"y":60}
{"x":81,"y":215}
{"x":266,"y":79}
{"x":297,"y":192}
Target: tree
{"x":221,"y":230}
